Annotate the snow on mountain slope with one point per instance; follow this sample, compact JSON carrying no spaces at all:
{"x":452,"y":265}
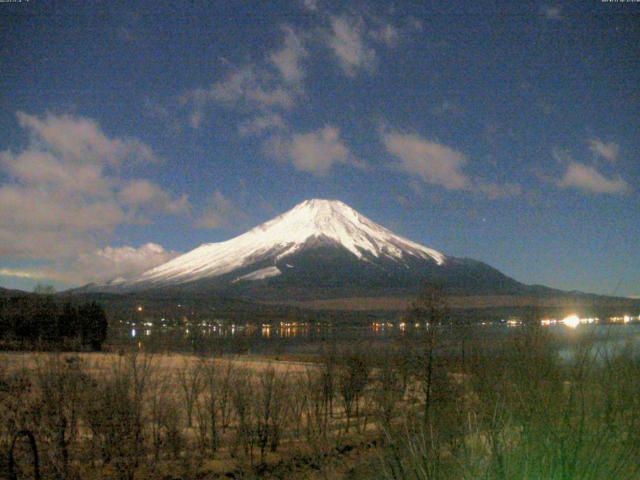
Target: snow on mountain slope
{"x":259,"y":274}
{"x":308,"y":222}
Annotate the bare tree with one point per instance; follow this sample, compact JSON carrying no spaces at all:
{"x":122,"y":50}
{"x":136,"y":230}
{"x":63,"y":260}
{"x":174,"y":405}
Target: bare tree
{"x":190,"y":381}
{"x":316,"y":405}
{"x":298,"y":399}
{"x":388,"y":392}
{"x":270,"y":409}
{"x":161,"y":410}
{"x":113,"y":410}
{"x":430,"y":310}
{"x":60,"y":382}
{"x":224,"y":395}
{"x":352,"y":380}
{"x":241,"y":395}
{"x":208,"y":409}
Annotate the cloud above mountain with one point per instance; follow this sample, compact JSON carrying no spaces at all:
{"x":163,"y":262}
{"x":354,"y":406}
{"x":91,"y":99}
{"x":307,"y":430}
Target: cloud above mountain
{"x":65,"y":191}
{"x":608,"y":151}
{"x":588,"y":179}
{"x":440,"y":165}
{"x":100,"y":265}
{"x":348,"y":42}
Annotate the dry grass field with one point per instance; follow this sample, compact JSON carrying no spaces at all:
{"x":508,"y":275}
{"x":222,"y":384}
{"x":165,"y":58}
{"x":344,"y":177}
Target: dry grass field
{"x":171,"y":363}
{"x":411,"y":409}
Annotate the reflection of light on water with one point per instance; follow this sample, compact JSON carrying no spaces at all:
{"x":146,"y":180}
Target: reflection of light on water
{"x":266,"y":330}
{"x":571,"y":321}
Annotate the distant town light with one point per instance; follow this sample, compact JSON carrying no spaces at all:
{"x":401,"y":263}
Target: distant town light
{"x":571,"y":321}
{"x":139,"y":308}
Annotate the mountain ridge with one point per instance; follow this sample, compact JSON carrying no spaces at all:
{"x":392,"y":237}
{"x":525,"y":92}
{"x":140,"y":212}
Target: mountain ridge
{"x":324,"y":251}
{"x":310,"y":224}
{"x":318,"y":249}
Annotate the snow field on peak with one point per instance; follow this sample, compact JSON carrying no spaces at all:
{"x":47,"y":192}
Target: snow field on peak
{"x":287,"y":234}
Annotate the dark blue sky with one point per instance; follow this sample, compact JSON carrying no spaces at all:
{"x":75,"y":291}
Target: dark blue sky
{"x":506,"y":132}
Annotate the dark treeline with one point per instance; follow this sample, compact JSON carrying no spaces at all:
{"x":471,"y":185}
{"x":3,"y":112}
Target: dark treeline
{"x":39,"y":321}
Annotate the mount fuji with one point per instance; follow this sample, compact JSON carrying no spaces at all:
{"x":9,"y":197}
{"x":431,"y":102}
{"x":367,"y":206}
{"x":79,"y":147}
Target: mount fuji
{"x":318,"y":249}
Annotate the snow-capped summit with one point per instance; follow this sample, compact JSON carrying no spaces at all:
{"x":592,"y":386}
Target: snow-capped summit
{"x":311,"y":223}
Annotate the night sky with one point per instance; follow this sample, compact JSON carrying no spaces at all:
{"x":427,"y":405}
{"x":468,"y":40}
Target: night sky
{"x":505,"y":132}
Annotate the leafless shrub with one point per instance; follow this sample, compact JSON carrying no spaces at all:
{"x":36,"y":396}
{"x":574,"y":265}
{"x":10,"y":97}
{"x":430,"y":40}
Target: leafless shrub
{"x":387,"y":393}
{"x":209,"y":406}
{"x":164,"y":418}
{"x":59,"y":386}
{"x":228,"y":373}
{"x":270,"y":409}
{"x":190,"y":382}
{"x":16,"y":413}
{"x":114,"y":413}
{"x":353,"y":377}
{"x":241,"y":396}
{"x":298,"y":398}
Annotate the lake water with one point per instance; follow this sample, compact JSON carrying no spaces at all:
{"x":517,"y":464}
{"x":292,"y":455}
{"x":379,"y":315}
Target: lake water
{"x":307,"y":338}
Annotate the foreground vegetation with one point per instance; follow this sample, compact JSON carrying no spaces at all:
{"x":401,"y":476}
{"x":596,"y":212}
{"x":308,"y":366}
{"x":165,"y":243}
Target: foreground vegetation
{"x":425,"y":407}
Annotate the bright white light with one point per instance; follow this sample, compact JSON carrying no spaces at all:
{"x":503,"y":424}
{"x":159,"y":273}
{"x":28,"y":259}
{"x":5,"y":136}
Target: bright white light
{"x":133,"y":332}
{"x":571,"y":321}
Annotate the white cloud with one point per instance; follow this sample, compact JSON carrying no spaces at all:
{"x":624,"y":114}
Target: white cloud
{"x":246,"y":88}
{"x":112,"y":262}
{"x":316,"y":152}
{"x":80,"y":140}
{"x":608,"y":151}
{"x":347,"y":41}
{"x":255,"y":87}
{"x":46,"y":170}
{"x":262,"y":123}
{"x":31,"y":208}
{"x":552,"y":12}
{"x":438,"y":164}
{"x":561,"y":156}
{"x":220,"y":212}
{"x":588,"y":179}
{"x":287,"y":59}
{"x":387,"y":34}
{"x":23,"y":273}
{"x":63,"y":193}
{"x":433,"y":162}
{"x":146,"y":194}
{"x":252,"y":89}
{"x":100,"y":265}
{"x":311,"y":5}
